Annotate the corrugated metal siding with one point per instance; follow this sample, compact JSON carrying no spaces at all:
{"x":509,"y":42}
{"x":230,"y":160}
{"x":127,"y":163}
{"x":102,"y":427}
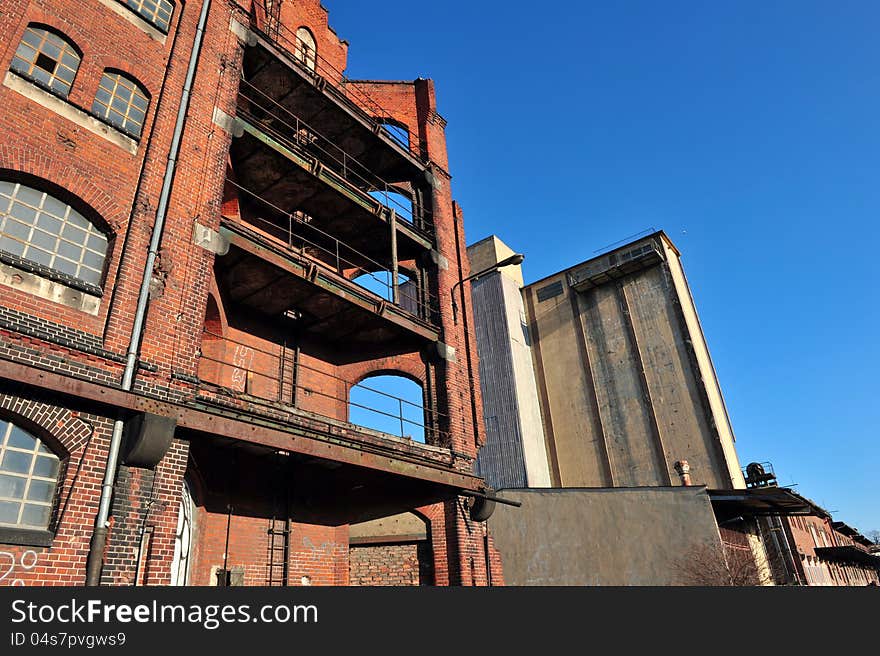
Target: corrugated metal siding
{"x":501,"y":460}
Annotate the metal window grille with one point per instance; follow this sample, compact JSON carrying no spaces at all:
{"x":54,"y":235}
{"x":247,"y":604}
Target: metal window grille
{"x":47,"y":59}
{"x":41,"y":229}
{"x":121,"y":102}
{"x":28,"y":476}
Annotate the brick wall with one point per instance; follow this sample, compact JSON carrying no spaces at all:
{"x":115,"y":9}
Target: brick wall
{"x":80,"y":440}
{"x":144,"y":499}
{"x":403,"y":564}
{"x":119,"y":191}
{"x":318,"y":554}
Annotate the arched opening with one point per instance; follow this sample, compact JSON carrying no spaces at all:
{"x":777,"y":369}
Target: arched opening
{"x":306,"y":48}
{"x":213,"y":346}
{"x":394,"y":200}
{"x":47,"y":58}
{"x":122,"y":102}
{"x":381,"y":283}
{"x":389,"y":403}
{"x":183,"y":538}
{"x":397,"y":131}
{"x":156,"y":12}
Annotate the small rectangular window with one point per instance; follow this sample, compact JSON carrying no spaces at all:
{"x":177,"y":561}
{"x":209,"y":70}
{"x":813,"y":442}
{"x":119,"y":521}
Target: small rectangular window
{"x":550,"y":291}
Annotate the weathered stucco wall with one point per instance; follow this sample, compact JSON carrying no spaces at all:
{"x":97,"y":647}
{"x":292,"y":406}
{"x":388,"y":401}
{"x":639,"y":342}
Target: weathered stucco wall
{"x":604,"y":536}
{"x":624,"y":378}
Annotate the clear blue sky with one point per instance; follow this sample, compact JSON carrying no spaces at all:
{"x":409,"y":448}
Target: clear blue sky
{"x":747,"y":130}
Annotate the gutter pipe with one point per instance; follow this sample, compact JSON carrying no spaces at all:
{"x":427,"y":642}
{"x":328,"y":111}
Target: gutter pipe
{"x":98,"y":543}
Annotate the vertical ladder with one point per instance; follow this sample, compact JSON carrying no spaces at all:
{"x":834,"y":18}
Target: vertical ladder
{"x":279,"y":549}
{"x":279,"y":532}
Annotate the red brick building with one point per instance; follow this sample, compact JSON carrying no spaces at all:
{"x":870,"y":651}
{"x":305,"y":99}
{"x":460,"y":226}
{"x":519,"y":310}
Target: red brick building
{"x":210,"y":238}
{"x":822,"y":552}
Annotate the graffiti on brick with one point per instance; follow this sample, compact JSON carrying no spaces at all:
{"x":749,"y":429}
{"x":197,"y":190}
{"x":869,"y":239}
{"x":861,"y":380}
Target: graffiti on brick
{"x":242,"y":359}
{"x":11,"y":565}
{"x":325,"y":548}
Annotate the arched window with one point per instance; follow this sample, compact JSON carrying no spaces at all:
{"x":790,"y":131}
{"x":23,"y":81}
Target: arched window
{"x":28,"y":476}
{"x":156,"y":12}
{"x":121,"y":102}
{"x":306,"y":49}
{"x":381,"y":283}
{"x":39,"y":228}
{"x":181,"y":560}
{"x":46,"y":58}
{"x":398,"y":132}
{"x":394,"y":200}
{"x":389,"y":403}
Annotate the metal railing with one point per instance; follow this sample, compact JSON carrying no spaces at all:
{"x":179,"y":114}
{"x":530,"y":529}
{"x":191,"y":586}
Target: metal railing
{"x":269,"y":115}
{"x":298,"y":234}
{"x":271,"y":375}
{"x":354,"y":97}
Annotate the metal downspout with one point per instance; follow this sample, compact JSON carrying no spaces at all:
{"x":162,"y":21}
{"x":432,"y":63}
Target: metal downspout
{"x":98,"y":543}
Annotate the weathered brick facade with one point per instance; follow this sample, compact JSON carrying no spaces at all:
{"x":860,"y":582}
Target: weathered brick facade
{"x":402,"y":564}
{"x":255,"y":331}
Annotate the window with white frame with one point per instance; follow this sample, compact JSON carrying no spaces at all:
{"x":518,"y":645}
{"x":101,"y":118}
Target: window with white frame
{"x":28,"y":477}
{"x":121,"y":102}
{"x":46,"y":58}
{"x":156,"y":12}
{"x":39,"y":228}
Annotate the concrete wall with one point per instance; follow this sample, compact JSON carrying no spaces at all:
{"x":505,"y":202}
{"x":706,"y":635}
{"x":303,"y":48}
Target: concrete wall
{"x":610,"y":536}
{"x":515,"y":452}
{"x":624,"y":377}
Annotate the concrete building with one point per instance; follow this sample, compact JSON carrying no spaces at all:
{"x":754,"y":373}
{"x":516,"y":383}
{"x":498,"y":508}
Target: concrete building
{"x":625,"y":380}
{"x":621,"y":373}
{"x":213,"y":244}
{"x":630,"y":407}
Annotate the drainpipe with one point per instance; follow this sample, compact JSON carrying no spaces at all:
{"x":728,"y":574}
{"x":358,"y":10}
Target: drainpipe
{"x":98,"y":542}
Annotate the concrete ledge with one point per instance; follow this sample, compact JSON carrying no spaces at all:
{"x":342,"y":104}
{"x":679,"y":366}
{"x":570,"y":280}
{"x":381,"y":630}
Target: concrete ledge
{"x":73,"y":114}
{"x":26,"y":537}
{"x":239,"y":30}
{"x":128,"y":14}
{"x":226,"y":122}
{"x":210,"y":240}
{"x":50,"y":290}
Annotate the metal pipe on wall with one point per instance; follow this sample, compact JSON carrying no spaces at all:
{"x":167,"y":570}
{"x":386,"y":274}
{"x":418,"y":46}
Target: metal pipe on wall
{"x":98,"y":543}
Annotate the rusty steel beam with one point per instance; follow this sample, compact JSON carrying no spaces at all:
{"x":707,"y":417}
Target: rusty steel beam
{"x":237,"y":429}
{"x":331,"y":283}
{"x":342,"y":104}
{"x":329,"y":178}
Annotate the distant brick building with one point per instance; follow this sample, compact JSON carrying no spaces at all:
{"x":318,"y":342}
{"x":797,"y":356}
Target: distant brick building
{"x":209,"y":237}
{"x":820,"y":551}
